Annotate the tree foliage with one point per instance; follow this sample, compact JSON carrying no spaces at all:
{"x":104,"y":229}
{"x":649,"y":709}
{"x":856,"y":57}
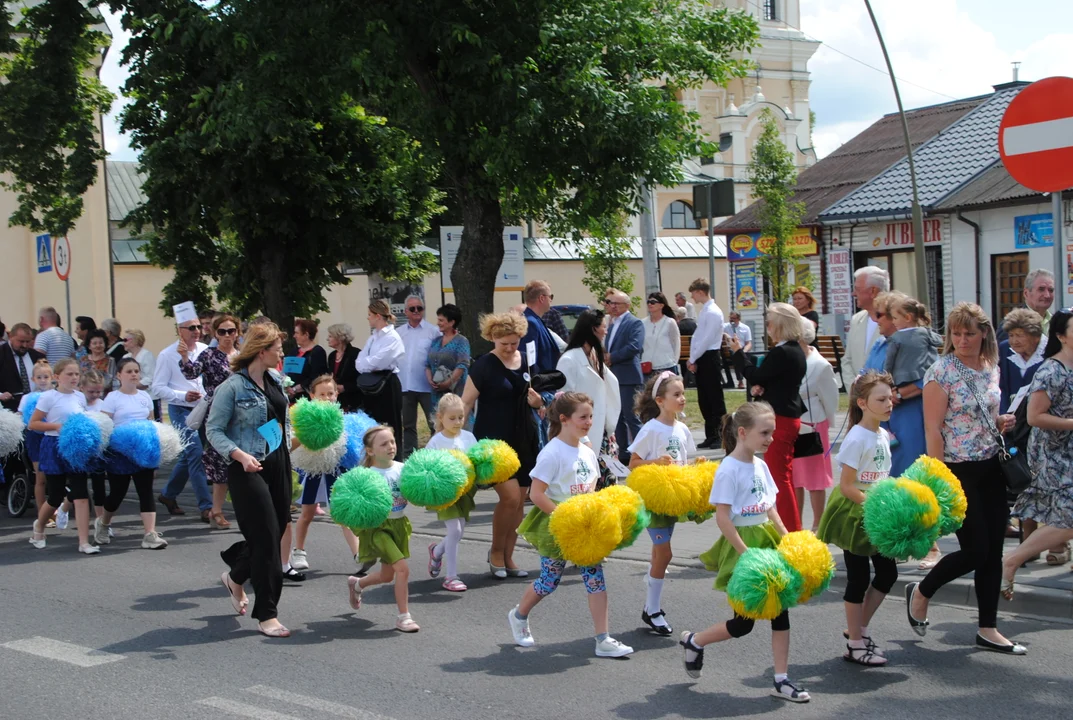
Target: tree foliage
{"x":604,"y":257}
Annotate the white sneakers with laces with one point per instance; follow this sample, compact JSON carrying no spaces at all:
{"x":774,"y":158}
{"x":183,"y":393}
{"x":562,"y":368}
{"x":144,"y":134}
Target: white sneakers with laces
{"x":101,"y":532}
{"x":299,"y":559}
{"x":520,"y":629}
{"x":610,"y":647}
{"x":153,"y":541}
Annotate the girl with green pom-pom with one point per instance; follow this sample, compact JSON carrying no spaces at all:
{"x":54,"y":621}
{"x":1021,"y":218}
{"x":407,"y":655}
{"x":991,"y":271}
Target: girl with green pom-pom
{"x":865,"y":459}
{"x":743,"y":494}
{"x":389,"y":543}
{"x":451,"y":435}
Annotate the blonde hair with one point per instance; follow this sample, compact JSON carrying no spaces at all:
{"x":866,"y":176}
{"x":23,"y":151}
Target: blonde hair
{"x":381,"y":308}
{"x":862,"y":389}
{"x":746,"y":416}
{"x":90,"y":377}
{"x":802,"y":290}
{"x":785,"y":322}
{"x":964,"y":314}
{"x":63,"y":364}
{"x":42,"y":364}
{"x":499,"y":325}
{"x":644,"y":405}
{"x":566,"y":404}
{"x":138,"y":336}
{"x":534,"y":289}
{"x":447,"y":403}
{"x":913,"y":308}
{"x":257,"y":339}
{"x":369,"y":438}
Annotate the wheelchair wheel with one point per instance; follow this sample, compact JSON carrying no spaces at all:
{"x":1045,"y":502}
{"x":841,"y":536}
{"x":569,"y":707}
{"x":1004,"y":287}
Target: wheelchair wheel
{"x":18,"y":494}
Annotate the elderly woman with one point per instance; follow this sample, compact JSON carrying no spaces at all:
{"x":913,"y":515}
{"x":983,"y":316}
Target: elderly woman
{"x":819,"y":392}
{"x":97,"y":358}
{"x":1020,"y":354}
{"x":500,"y":379}
{"x":448,"y":356}
{"x":341,"y":364}
{"x":963,"y":427}
{"x":134,"y":342}
{"x":314,"y":359}
{"x":378,"y":365}
{"x":663,"y":341}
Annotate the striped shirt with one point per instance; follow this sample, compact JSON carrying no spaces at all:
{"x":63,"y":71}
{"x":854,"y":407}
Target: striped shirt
{"x":55,"y":343}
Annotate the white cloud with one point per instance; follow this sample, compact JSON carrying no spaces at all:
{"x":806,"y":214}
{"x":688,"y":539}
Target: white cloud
{"x":114,"y":76}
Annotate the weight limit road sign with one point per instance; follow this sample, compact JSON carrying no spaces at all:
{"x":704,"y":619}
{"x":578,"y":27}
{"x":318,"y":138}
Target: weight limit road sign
{"x":1035,"y":138}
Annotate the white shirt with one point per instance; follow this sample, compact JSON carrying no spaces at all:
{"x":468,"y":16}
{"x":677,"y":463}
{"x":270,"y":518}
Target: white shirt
{"x":741,"y":331}
{"x":663,"y":343}
{"x":819,"y":391}
{"x":169,"y":385}
{"x":709,"y":333}
{"x":59,"y":406}
{"x":463,"y":441}
{"x":417,"y":341}
{"x":398,"y":502}
{"x":566,"y":470}
{"x":147,"y":363}
{"x":28,"y":364}
{"x":123,"y":408}
{"x":749,"y":490}
{"x":873,"y":326}
{"x":94,"y":406}
{"x":656,"y":440}
{"x":383,"y":351}
{"x":1023,"y":365}
{"x":868,"y":453}
{"x":691,"y":310}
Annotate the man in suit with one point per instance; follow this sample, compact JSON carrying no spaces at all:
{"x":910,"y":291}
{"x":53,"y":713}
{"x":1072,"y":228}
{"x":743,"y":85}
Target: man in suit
{"x":625,"y":341}
{"x":538,"y":299}
{"x":17,"y":360}
{"x":868,"y":282}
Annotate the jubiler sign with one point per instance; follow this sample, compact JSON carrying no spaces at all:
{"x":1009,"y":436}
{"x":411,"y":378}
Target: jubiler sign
{"x":897,"y":235}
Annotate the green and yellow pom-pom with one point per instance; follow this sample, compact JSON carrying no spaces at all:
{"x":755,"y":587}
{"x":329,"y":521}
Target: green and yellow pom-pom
{"x":432,"y":479}
{"x":360,"y":499}
{"x":316,"y":424}
{"x":901,"y":518}
{"x":665,"y":489}
{"x":467,"y":465}
{"x":763,"y":585}
{"x":947,"y":488}
{"x":702,"y":474}
{"x":812,"y":560}
{"x":633,"y":517}
{"x":585,"y":529}
{"x":494,"y":462}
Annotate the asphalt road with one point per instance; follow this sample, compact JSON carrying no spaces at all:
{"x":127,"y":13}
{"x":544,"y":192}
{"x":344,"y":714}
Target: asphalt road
{"x":132,"y":633}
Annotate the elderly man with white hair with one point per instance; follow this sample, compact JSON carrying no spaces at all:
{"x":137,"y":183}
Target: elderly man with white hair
{"x":417,"y":336}
{"x":868,"y":282}
{"x":1039,"y":296}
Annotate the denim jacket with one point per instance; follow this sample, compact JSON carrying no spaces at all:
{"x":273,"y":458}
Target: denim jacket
{"x":238,"y":409}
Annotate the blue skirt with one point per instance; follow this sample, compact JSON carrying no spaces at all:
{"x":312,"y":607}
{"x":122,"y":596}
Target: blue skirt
{"x":118,"y":464}
{"x":33,"y":444}
{"x":50,"y":461}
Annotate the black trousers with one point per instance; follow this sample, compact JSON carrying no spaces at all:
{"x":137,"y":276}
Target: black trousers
{"x":262,"y":503}
{"x":858,"y":575}
{"x":980,"y":538}
{"x":739,"y":626}
{"x":73,"y":486}
{"x":386,"y":408}
{"x":710,"y":393}
{"x":119,"y":484}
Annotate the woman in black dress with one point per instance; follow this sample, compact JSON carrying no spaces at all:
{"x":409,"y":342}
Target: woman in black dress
{"x":501,"y":380}
{"x":341,"y":362}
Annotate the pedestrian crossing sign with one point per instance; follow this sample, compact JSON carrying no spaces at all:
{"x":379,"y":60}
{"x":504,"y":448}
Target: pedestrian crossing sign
{"x":44,"y":253}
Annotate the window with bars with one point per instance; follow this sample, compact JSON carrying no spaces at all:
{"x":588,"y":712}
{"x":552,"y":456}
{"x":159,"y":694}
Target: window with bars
{"x":679,"y":216}
{"x":770,"y":12}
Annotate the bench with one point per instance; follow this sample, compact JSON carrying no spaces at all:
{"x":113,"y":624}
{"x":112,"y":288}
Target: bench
{"x":832,"y":349}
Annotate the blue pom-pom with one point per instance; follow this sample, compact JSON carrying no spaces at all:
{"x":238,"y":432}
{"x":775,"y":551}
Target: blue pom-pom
{"x":81,"y":442}
{"x":30,"y":406}
{"x":355,"y":425}
{"x":137,"y":441}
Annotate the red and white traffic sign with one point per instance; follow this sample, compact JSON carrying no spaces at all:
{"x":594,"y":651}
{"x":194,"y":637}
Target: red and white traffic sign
{"x":61,"y":257}
{"x":1035,"y":138}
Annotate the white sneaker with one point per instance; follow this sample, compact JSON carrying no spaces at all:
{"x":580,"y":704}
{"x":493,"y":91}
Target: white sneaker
{"x":153,"y":541}
{"x":520,"y":629}
{"x":299,"y":561}
{"x":110,"y":533}
{"x":61,"y":519}
{"x":88,"y":549}
{"x":610,"y":647}
{"x":100,"y":532}
{"x":37,"y":542}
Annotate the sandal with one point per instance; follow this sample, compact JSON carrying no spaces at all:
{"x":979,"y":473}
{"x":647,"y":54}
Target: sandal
{"x":1058,"y":558}
{"x":238,"y":605}
{"x":434,"y":563}
{"x":218,"y":522}
{"x":454,"y":585}
{"x":355,"y":592}
{"x":276,"y":632}
{"x":1007,"y":590}
{"x":863,"y":656}
{"x":930,"y":560}
{"x":868,"y":643}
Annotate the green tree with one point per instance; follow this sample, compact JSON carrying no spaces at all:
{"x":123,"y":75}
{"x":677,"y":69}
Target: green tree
{"x":603,"y":255}
{"x":774,"y":175}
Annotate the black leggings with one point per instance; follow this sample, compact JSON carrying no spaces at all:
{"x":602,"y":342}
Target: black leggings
{"x":739,"y":626}
{"x":100,"y":491}
{"x":980,"y":538}
{"x":857,"y":575}
{"x":56,"y":488}
{"x":119,"y":484}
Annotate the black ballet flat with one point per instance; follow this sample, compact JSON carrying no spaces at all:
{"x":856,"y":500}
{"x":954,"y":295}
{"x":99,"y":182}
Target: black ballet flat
{"x":294,"y":575}
{"x":920,"y":627}
{"x":1011,"y":649}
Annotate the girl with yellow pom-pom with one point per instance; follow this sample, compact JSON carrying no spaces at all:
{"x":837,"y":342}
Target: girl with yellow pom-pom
{"x":744,"y":497}
{"x":565,"y":467}
{"x":663,"y":440}
{"x":451,"y":435}
{"x":865,"y":460}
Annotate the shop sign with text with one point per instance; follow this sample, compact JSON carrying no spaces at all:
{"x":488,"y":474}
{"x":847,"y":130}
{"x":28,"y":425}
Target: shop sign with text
{"x":749,"y":246}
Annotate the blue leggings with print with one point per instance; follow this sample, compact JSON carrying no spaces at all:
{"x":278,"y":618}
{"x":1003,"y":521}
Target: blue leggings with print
{"x":551,"y":572}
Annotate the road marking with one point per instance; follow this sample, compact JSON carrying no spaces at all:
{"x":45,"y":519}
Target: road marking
{"x":244,"y":710}
{"x":64,"y":652}
{"x":324,"y":706}
{"x":1038,"y":137}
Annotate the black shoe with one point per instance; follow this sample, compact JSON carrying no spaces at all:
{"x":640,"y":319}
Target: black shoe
{"x":294,"y":576}
{"x":695,"y":663}
{"x":658,"y":629}
{"x":920,"y":627}
{"x":1012,"y":649}
{"x":704,"y":445}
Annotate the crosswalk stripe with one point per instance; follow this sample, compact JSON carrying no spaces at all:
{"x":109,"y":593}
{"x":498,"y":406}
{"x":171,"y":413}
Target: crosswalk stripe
{"x":244,"y":710}
{"x":64,"y":652}
{"x":324,"y":706}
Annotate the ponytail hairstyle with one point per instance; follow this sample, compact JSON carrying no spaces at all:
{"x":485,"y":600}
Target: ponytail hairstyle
{"x":90,"y":377}
{"x":862,"y":389}
{"x":566,"y":404}
{"x":658,"y":386}
{"x":369,"y":438}
{"x":447,"y":403}
{"x":913,"y":308}
{"x":745,"y":417}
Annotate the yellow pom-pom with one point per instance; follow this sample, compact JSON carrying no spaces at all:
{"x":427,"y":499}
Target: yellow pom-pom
{"x":929,"y":514}
{"x":624,"y":502}
{"x":585,"y":529}
{"x":959,"y":504}
{"x":810,"y":557}
{"x":494,"y":461}
{"x":665,"y":489}
{"x":702,"y":475}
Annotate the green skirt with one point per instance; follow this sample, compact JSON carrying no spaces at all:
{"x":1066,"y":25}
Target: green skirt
{"x":722,"y":557}
{"x":461,"y":509}
{"x":842,"y":525}
{"x":663,"y":521}
{"x":388,"y":543}
{"x":535,"y":528}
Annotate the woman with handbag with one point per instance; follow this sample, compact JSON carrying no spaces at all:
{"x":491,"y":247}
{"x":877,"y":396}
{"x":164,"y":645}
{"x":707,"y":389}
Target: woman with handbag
{"x":213,"y":366}
{"x":812,"y":460}
{"x":378,"y":368}
{"x":663,"y":341}
{"x":964,"y":430}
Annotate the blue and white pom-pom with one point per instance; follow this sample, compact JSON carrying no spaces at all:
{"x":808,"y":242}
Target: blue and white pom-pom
{"x":83,"y":439}
{"x":355,"y":425}
{"x":138,"y":442}
{"x":319,"y":462}
{"x":29,"y":405}
{"x":172,"y":443}
{"x":11,"y":426}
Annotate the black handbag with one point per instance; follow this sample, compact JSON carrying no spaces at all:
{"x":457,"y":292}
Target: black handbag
{"x":808,"y":444}
{"x":373,"y":383}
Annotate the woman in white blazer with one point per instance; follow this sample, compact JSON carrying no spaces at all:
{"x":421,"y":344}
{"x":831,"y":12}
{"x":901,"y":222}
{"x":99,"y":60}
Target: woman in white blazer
{"x":819,"y":393}
{"x":583,"y":365}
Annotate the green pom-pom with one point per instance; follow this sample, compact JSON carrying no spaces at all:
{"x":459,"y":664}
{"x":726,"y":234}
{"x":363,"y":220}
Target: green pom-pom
{"x":947,"y":488}
{"x":901,"y":518}
{"x":432,"y":478}
{"x":316,"y":424}
{"x":763,"y":585}
{"x":360,"y":499}
{"x":640,"y":524}
{"x":494,"y":461}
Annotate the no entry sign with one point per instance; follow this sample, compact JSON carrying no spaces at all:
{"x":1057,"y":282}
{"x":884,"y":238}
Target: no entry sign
{"x":1035,"y":138}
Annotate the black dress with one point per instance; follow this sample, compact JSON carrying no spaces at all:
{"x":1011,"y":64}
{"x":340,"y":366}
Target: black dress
{"x":346,"y":374}
{"x":499,"y":404}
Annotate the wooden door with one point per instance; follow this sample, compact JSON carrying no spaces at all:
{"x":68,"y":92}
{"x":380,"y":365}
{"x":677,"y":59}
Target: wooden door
{"x":1007,"y":283}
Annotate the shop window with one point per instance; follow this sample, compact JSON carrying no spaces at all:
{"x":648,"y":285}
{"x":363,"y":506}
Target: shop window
{"x":679,"y":216}
{"x":1007,"y":283}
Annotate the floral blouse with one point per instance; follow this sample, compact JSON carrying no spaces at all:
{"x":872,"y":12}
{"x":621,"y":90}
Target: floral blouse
{"x":443,"y":360}
{"x":211,"y":365}
{"x":965,"y":431}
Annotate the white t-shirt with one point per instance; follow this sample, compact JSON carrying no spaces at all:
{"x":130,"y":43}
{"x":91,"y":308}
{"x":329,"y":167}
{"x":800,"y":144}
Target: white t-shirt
{"x":868,"y":453}
{"x":59,"y":406}
{"x":656,"y":440}
{"x":463,"y":441}
{"x":749,"y":490}
{"x":567,"y":470}
{"x":123,"y":408}
{"x":398,"y":502}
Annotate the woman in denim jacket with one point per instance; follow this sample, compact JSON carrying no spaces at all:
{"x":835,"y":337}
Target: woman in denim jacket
{"x":247,"y":425}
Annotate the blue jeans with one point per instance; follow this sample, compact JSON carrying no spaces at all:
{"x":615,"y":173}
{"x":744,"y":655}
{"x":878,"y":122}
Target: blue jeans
{"x":189,"y":466}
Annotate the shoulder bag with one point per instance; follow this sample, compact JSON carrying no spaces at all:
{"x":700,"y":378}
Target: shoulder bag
{"x":373,"y":383}
{"x":197,"y":416}
{"x":810,"y":443}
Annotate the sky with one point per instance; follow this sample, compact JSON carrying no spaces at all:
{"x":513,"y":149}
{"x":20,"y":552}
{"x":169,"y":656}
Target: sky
{"x":941,"y":50}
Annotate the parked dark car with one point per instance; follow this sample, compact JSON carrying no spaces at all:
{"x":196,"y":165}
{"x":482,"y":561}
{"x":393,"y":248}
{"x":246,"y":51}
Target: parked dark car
{"x":570,"y":314}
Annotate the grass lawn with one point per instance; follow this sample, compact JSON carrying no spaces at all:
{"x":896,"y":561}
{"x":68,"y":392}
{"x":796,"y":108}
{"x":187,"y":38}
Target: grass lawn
{"x":734,"y":398}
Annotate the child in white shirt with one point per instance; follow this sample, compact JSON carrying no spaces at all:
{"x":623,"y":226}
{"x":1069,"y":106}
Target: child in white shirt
{"x":451,"y":435}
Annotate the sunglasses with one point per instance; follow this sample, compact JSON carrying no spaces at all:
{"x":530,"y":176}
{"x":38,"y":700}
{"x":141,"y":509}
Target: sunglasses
{"x":128,"y":339}
{"x":227,"y":331}
{"x":654,"y":301}
{"x":415,"y":308}
{"x":613,"y":302}
{"x":192,"y":328}
{"x":550,"y":297}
